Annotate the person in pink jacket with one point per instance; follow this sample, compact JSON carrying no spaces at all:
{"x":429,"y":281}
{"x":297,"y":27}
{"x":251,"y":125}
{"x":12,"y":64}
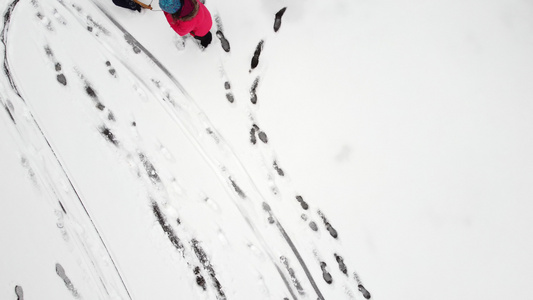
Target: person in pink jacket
{"x":189,"y":17}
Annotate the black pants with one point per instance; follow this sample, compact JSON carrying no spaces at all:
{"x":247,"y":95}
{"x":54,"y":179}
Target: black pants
{"x":129,"y":4}
{"x":205,"y":40}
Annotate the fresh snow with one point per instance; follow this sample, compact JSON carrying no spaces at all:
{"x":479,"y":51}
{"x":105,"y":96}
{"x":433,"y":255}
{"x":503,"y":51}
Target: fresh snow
{"x":365,"y":148}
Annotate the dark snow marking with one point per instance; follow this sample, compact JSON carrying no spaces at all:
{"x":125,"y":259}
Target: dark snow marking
{"x":278,"y":169}
{"x":133,"y":43}
{"x":253,"y":91}
{"x":106,"y":132}
{"x":304,"y":204}
{"x":47,"y":23}
{"x":342,"y":265}
{"x":61,"y":79}
{"x":267,"y":208}
{"x":169,"y":232}
{"x":57,"y":66}
{"x":313,"y":226}
{"x":93,"y":24}
{"x":229,"y":94}
{"x":292,"y":275}
{"x":230,"y":97}
{"x":223,"y":41}
{"x":325,"y":274}
{"x":220,"y":34}
{"x":263,"y":137}
{"x":330,"y":228}
{"x":5,"y":30}
{"x":204,"y":260}
{"x":61,"y":273}
{"x":6,"y":106}
{"x":24,"y":162}
{"x":257,"y":53}
{"x":111,"y":116}
{"x":261,"y":134}
{"x":110,"y":69}
{"x":62,"y":207}
{"x":200,"y":280}
{"x":237,"y":188}
{"x":91,"y":92}
{"x":48,"y":51}
{"x":59,"y":18}
{"x":213,"y":135}
{"x":19,"y":292}
{"x":253,"y":138}
{"x":150,"y":169}
{"x":360,"y":286}
{"x":277,"y":20}
{"x":363,"y":291}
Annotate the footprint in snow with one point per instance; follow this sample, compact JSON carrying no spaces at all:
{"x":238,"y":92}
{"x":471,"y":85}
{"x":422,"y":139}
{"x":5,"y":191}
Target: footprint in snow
{"x":325,"y":274}
{"x":253,"y":91}
{"x":229,"y":93}
{"x":277,"y":19}
{"x":62,"y":274}
{"x":330,"y":228}
{"x":220,"y":34}
{"x":132,"y":42}
{"x":278,"y":169}
{"x":304,"y":204}
{"x":342,"y":265}
{"x":45,"y":21}
{"x":110,"y":69}
{"x":257,"y":53}
{"x":59,"y":17}
{"x":57,"y":66}
{"x":91,"y":92}
{"x":19,"y":292}
{"x":257,"y":131}
{"x":223,"y":41}
{"x":109,"y":136}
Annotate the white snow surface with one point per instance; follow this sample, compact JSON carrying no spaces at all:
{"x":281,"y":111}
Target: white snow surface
{"x":407,"y":126}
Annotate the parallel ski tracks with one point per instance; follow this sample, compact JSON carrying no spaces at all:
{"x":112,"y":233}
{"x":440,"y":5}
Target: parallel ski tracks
{"x":7,"y":71}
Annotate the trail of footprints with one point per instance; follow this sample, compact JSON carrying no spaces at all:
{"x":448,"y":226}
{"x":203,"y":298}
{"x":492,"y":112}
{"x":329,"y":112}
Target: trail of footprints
{"x":57,"y":66}
{"x":62,"y":274}
{"x":256,"y":133}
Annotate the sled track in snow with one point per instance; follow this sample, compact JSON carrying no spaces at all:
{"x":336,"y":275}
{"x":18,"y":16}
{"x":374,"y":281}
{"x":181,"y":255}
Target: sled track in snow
{"x":4,"y":39}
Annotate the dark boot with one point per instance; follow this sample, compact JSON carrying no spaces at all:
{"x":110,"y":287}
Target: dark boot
{"x":129,"y":4}
{"x":205,"y":40}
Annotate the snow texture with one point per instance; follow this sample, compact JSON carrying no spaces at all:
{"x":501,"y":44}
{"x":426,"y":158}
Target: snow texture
{"x":397,"y":165}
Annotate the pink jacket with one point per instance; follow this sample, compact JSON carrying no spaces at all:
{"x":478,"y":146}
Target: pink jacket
{"x":194,"y":19}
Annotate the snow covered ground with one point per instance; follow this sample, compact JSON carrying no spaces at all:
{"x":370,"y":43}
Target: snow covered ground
{"x":379,"y":148}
